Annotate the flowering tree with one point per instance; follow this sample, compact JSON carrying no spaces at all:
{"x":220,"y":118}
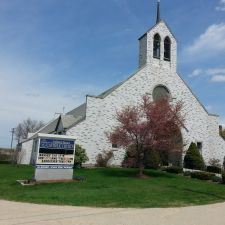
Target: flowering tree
{"x":151,"y":125}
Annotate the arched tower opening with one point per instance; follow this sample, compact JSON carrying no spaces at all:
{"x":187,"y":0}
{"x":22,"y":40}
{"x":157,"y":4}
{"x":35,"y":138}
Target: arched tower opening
{"x":157,"y":46}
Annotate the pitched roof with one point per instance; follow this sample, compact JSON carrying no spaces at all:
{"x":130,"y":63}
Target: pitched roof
{"x":50,"y":127}
{"x":79,"y":111}
{"x":71,"y":118}
{"x":157,"y":25}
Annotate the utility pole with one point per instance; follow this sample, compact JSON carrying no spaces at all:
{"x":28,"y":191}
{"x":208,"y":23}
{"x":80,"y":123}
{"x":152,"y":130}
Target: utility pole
{"x":12,"y":131}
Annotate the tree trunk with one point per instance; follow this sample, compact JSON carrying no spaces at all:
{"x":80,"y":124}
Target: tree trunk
{"x":141,"y":170}
{"x":141,"y":165}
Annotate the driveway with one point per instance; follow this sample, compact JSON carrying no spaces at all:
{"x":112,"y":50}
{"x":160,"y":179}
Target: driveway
{"x":25,"y":213}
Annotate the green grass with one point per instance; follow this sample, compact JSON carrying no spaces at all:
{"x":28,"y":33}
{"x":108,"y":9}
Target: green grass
{"x":111,"y":188}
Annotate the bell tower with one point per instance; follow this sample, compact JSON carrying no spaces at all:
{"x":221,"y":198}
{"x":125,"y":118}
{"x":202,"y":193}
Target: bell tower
{"x":158,"y":46}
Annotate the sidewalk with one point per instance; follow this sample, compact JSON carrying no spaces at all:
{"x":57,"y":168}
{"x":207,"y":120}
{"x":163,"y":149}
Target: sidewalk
{"x":25,"y":213}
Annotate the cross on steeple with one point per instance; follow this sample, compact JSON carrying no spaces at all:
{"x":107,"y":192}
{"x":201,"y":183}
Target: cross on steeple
{"x":158,"y":12}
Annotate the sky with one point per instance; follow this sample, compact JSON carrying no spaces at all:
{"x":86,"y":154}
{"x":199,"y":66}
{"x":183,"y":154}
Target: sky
{"x":53,"y":52}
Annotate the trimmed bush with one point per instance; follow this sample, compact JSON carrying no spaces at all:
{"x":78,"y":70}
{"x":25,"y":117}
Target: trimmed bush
{"x":103,"y":158}
{"x":213,"y":169}
{"x":187,"y":173}
{"x":202,"y":175}
{"x":193,"y":158}
{"x":223,"y":177}
{"x":152,"y":159}
{"x":174,"y":169}
{"x":4,"y":162}
{"x":217,"y":179}
{"x":80,"y":156}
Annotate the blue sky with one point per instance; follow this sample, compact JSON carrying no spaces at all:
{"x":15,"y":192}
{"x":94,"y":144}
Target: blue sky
{"x":54,"y":52}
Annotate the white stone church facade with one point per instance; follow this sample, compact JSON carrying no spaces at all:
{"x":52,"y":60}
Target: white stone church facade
{"x":89,"y":122}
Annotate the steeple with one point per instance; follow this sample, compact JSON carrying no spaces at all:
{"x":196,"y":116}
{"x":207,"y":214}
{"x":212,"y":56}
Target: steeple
{"x":158,"y":46}
{"x":158,"y":12}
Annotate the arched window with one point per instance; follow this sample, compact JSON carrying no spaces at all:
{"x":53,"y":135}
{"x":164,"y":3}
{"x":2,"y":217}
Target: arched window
{"x":160,"y":92}
{"x":167,"y":49}
{"x":156,"y":47}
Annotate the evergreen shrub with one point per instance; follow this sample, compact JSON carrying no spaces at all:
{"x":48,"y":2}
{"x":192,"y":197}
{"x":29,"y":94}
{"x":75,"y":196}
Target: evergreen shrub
{"x":193,"y":158}
{"x":80,"y":156}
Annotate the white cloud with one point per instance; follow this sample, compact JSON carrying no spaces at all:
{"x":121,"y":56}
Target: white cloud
{"x":214,"y":71}
{"x":29,"y":91}
{"x":216,"y":74}
{"x":208,"y":44}
{"x":221,"y":6}
{"x":196,"y":73}
{"x":218,"y":78}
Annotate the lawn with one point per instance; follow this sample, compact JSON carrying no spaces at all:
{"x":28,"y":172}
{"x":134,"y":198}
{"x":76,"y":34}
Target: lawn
{"x":111,"y":188}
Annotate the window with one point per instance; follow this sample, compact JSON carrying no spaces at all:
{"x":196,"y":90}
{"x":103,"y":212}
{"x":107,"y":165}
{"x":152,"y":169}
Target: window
{"x":156,"y":47}
{"x":167,"y":49}
{"x":114,"y":146}
{"x":160,"y":92}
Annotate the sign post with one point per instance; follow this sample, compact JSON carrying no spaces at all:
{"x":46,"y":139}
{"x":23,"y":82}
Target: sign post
{"x":53,"y":157}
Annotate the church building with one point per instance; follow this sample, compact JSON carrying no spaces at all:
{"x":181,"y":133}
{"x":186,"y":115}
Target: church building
{"x":156,"y":76}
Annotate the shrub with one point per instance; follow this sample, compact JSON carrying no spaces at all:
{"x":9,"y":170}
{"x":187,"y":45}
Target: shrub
{"x":130,"y":158}
{"x":187,"y":173}
{"x":217,"y":179}
{"x":103,"y":158}
{"x":174,"y":169}
{"x":202,"y":175}
{"x":152,"y":159}
{"x":80,"y":156}
{"x":214,"y":162}
{"x":193,"y":158}
{"x":213,"y":169}
{"x":224,"y":163}
{"x":4,"y":162}
{"x":223,"y":177}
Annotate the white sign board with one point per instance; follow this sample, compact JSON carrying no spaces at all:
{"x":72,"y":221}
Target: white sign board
{"x":54,"y":157}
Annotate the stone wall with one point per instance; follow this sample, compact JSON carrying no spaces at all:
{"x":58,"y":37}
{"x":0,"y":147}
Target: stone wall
{"x":143,"y":50}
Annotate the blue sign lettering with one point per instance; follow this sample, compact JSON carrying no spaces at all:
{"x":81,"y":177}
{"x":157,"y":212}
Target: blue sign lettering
{"x":57,"y":144}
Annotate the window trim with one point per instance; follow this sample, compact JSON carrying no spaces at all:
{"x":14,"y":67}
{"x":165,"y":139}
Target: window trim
{"x":164,"y":86}
{"x":169,"y":49}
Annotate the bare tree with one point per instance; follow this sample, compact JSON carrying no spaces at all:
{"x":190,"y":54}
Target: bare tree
{"x":25,"y":127}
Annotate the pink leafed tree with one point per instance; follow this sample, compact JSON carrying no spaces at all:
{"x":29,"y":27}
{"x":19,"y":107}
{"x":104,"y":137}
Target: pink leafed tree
{"x":148,"y":126}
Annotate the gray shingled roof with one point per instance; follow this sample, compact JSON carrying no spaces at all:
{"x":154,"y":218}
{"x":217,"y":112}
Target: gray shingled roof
{"x":50,"y":127}
{"x":110,"y":90}
{"x":79,"y":111}
{"x":70,"y":119}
